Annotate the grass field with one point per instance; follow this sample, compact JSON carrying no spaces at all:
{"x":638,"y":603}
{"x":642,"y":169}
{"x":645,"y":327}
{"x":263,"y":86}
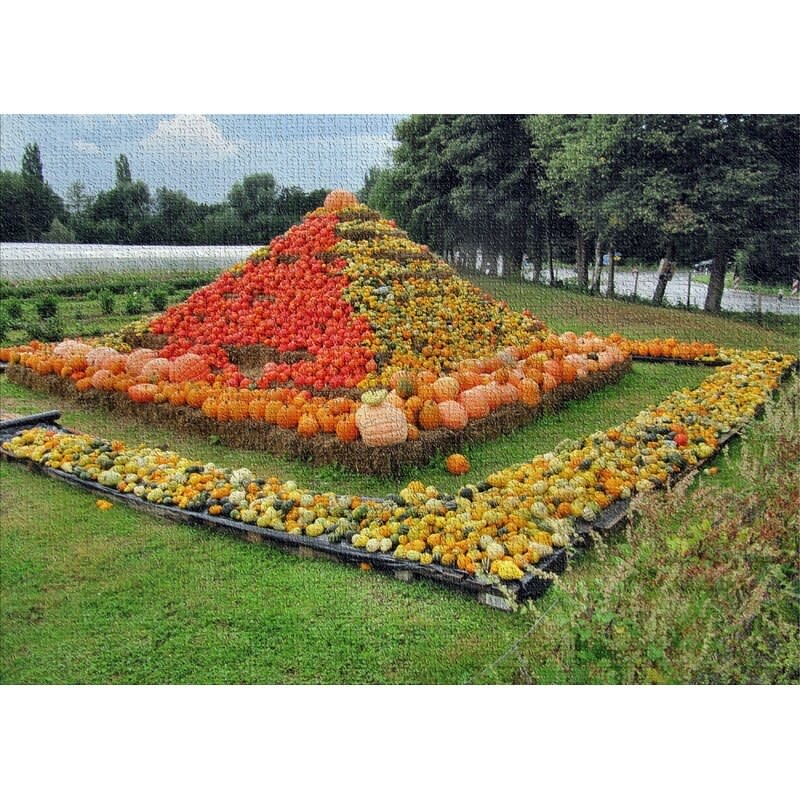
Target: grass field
{"x":118,"y":597}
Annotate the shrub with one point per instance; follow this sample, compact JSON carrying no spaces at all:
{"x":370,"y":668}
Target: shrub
{"x":47,"y":307}
{"x":134,"y":304}
{"x":159,"y":298}
{"x":49,"y":329}
{"x":107,"y":300}
{"x":4,"y":325}
{"x":13,"y":310}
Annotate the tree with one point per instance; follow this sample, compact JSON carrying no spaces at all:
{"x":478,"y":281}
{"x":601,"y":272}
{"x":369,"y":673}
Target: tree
{"x":253,"y":200}
{"x":123,"y":170}
{"x":29,"y":205}
{"x":731,"y":168}
{"x":496,"y":191}
{"x":58,"y":233}
{"x":77,"y":199}
{"x":121,"y":215}
{"x":13,"y":225}
{"x":384,"y":195}
{"x":174,"y":218}
{"x":463,"y":182}
{"x":32,"y":163}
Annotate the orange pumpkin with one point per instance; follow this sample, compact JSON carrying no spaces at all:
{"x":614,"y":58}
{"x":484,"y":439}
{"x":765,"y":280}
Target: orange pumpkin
{"x":569,"y":372}
{"x":327,"y":420}
{"x":453,"y":415}
{"x":188,"y":367}
{"x":288,"y":416}
{"x":142,"y":392}
{"x":429,"y":416}
{"x":457,"y":464}
{"x":346,"y":428}
{"x":271,"y":411}
{"x":445,"y":388}
{"x":103,"y":379}
{"x":138,"y":358}
{"x":549,"y":382}
{"x":308,"y":426}
{"x":476,"y":402}
{"x":529,"y":392}
{"x":156,"y":369}
{"x":339,"y":199}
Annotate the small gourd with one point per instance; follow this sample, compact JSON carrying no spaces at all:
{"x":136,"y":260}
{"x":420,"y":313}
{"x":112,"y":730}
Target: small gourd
{"x":457,"y":464}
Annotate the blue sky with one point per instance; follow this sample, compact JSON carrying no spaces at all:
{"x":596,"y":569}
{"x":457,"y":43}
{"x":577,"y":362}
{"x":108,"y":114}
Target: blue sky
{"x":202,"y":155}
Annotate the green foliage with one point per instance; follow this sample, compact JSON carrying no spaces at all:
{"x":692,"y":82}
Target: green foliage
{"x":122,"y":169}
{"x":107,"y":301}
{"x":5,"y":324}
{"x":28,"y":205}
{"x":47,"y":307}
{"x":49,"y":329}
{"x":58,"y":233}
{"x":703,"y":588}
{"x":159,"y":299}
{"x":13,"y":309}
{"x":32,"y":163}
{"x":134,"y":304}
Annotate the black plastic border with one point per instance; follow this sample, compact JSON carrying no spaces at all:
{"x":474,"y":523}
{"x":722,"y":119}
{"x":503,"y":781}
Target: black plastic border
{"x":497,"y":595}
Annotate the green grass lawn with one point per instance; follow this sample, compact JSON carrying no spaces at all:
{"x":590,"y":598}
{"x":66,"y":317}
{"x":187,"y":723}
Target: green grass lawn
{"x":120,"y":597}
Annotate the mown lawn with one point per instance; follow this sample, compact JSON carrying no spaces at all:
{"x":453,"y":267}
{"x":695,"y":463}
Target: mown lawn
{"x":119,"y":597}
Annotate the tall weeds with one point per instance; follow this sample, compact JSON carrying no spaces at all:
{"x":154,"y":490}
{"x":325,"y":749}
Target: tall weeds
{"x":703,"y":588}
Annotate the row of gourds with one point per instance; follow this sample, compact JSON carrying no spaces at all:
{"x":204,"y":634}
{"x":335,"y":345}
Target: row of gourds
{"x":498,"y":529}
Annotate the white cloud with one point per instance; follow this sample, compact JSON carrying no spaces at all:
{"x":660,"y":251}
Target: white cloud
{"x":86,"y":147}
{"x":189,"y":136}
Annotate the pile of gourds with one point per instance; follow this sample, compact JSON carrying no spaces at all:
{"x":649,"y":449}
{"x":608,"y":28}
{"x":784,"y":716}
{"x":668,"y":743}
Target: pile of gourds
{"x":499,"y":528}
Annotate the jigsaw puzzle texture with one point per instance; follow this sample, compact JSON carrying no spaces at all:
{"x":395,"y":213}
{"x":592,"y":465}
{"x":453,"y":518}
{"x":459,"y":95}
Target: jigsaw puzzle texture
{"x":541,"y":362}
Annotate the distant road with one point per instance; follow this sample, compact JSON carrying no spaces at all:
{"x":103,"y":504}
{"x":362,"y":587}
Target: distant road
{"x":732,"y":299}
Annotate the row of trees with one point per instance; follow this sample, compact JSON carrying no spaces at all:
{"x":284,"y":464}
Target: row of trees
{"x":679,"y":187}
{"x":255,"y":210}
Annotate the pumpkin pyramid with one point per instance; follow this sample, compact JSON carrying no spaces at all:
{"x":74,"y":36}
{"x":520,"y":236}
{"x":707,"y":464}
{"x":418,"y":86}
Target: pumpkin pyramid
{"x":342,"y":331}
{"x":343,"y":300}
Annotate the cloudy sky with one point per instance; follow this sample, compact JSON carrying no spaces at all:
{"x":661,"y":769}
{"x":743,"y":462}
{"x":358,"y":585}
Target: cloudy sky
{"x":202,"y":155}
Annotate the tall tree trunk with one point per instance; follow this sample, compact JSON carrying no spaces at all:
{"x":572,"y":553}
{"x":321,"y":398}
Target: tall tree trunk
{"x":548,"y":234}
{"x":716,"y":279}
{"x":534,"y":240}
{"x":598,"y":265}
{"x":663,"y":272}
{"x":610,"y":291}
{"x":580,"y":261}
{"x":536,"y":260}
{"x":663,"y":280}
{"x":512,"y":262}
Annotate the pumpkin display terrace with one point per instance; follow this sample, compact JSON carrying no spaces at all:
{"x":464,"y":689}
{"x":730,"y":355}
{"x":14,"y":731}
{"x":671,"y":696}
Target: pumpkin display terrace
{"x":341,"y":341}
